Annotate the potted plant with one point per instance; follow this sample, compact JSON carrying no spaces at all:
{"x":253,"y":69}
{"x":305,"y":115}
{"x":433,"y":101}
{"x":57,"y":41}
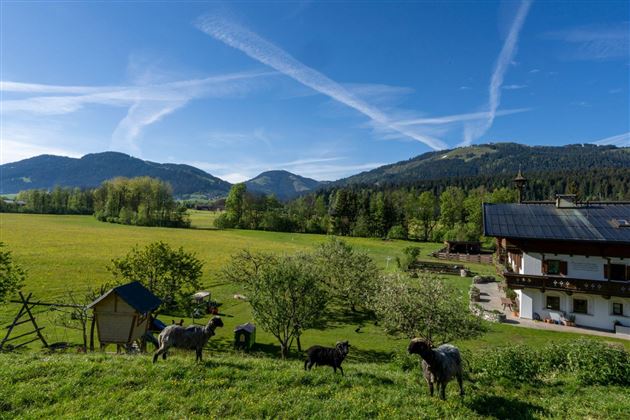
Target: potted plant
{"x":570,"y":321}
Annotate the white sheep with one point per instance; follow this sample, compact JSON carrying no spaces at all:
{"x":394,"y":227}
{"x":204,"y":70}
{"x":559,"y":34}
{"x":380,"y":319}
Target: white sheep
{"x":191,"y":337}
{"x":439,"y":365}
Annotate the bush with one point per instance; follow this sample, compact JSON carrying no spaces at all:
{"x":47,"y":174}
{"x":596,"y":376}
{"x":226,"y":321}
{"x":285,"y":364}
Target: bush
{"x":590,"y":362}
{"x":598,"y":363}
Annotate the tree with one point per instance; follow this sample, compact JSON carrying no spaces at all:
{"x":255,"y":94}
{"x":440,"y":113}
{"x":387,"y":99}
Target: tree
{"x":425,"y":307}
{"x":234,"y":204}
{"x":170,"y":274}
{"x":451,"y":207}
{"x":428,"y":212}
{"x":285,"y":293}
{"x":350,"y":275}
{"x":12,"y":276}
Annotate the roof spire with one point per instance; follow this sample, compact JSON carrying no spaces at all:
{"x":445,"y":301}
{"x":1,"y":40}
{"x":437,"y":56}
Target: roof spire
{"x":520,"y":182}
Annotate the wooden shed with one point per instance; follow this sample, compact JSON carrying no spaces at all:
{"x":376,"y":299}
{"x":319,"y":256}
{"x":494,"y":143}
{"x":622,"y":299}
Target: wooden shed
{"x":245,"y":336}
{"x":123,"y":314}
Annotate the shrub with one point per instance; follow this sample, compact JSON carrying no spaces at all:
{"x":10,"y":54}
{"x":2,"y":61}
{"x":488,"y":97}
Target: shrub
{"x":590,"y":362}
{"x":598,"y":363}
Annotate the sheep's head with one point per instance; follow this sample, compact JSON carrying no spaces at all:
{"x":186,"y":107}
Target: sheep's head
{"x":343,"y":347}
{"x":216,"y":321}
{"x":419,"y":346}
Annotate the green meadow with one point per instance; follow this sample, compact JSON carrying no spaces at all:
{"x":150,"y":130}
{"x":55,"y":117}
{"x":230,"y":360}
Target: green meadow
{"x":70,"y":253}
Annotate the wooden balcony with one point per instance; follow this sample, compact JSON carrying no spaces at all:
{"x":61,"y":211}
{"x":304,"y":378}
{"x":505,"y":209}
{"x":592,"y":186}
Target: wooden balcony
{"x":605,"y":288}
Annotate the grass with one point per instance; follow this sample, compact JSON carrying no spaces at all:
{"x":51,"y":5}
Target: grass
{"x":68,"y":253}
{"x":225,"y":385}
{"x":200,"y":219}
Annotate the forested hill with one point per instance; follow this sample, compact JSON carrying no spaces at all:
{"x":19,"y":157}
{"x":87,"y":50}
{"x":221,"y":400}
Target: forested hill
{"x":284,"y":185}
{"x":493,"y":160}
{"x":47,"y":171}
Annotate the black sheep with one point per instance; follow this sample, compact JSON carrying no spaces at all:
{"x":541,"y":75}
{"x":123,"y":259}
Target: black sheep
{"x":326,"y":356}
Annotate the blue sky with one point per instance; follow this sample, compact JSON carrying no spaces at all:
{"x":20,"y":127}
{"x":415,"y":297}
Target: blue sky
{"x":324,"y":90}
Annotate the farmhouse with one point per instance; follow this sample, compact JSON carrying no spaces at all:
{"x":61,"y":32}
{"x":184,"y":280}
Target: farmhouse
{"x":566,"y":260}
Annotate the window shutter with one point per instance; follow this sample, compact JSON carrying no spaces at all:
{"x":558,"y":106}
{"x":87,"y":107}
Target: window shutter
{"x":563,"y":268}
{"x":606,"y":271}
{"x":545,"y":266}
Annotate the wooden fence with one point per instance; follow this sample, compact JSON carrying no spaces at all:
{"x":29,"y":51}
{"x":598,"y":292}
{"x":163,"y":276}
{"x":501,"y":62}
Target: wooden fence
{"x":474,"y":258}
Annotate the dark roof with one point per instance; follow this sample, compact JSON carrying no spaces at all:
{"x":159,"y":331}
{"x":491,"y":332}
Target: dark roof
{"x":250,"y":328}
{"x":589,"y":223}
{"x":136,"y":295}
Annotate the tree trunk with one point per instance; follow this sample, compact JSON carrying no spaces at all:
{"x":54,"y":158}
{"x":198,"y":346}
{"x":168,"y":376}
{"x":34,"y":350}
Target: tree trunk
{"x":284,"y":350}
{"x":299,"y":344}
{"x":92,"y":326}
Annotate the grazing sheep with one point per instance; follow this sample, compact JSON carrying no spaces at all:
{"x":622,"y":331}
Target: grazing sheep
{"x":326,"y":356}
{"x":192,"y":337}
{"x":439,"y":365}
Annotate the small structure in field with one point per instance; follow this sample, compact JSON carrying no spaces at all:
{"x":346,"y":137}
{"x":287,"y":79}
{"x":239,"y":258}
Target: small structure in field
{"x":245,"y":336}
{"x":123,"y":314}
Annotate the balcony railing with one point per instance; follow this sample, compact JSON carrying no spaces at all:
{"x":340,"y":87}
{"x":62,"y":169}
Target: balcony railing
{"x":565,"y":284}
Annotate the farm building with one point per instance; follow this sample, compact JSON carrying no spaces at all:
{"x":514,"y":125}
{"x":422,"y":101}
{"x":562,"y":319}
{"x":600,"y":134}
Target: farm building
{"x":123,"y":314}
{"x":245,"y":336}
{"x":567,"y":261}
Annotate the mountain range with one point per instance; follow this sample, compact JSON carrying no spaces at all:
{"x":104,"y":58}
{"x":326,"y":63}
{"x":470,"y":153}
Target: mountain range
{"x":47,"y":171}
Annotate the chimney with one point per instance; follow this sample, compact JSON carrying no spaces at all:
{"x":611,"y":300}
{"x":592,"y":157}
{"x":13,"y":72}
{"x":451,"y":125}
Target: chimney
{"x":566,"y":201}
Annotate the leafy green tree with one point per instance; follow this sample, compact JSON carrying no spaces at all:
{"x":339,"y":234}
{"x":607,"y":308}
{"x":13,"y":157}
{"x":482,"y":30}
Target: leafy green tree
{"x":234,"y":204}
{"x":350,"y":275}
{"x":12,"y":276}
{"x":451,"y":206}
{"x":172,"y":275}
{"x":285,"y":293}
{"x":425,"y":307}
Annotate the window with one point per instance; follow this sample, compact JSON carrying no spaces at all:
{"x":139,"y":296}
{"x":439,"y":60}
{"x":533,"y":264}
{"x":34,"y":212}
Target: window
{"x":617,"y":308}
{"x":580,"y":306}
{"x":615,"y":272}
{"x":553,"y":302}
{"x":554,"y":267}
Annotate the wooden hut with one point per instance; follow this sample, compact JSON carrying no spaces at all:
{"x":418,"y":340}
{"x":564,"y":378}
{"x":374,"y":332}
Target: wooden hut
{"x":245,"y":336}
{"x":123,"y":314}
{"x":462,"y":247}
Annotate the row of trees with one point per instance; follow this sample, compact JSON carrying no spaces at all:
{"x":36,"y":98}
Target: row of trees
{"x":292,"y":293}
{"x":58,"y":201}
{"x":396,"y":214}
{"x":141,"y":201}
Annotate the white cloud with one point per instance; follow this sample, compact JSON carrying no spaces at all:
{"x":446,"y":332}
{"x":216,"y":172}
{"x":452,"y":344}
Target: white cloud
{"x":506,"y":56}
{"x":322,"y":168}
{"x":12,"y":151}
{"x":514,"y":87}
{"x":595,"y":42}
{"x":269,"y":54}
{"x":620,"y":140}
{"x":460,"y":117}
{"x":147,"y":104}
{"x":534,"y":71}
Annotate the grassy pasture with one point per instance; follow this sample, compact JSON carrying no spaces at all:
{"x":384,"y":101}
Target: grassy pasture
{"x":37,"y":386}
{"x":69,"y":253}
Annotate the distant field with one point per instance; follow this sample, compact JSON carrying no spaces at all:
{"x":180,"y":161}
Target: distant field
{"x":69,"y":253}
{"x":200,"y":219}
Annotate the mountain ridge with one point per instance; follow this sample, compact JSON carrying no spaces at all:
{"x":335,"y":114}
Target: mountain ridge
{"x":492,"y":159}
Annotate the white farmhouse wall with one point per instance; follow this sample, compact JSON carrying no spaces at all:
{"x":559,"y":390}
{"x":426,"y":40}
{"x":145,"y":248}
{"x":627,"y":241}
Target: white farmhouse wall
{"x":578,"y":266}
{"x":599,"y":309}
